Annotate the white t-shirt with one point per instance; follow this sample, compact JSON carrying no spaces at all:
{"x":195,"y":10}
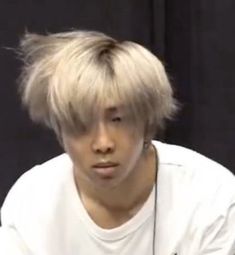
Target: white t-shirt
{"x":43,"y":214}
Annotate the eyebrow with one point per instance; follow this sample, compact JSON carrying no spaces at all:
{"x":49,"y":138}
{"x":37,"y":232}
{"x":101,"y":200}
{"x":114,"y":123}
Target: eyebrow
{"x":114,"y":109}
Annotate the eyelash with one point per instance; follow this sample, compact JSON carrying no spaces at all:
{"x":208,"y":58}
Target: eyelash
{"x":116,"y":119}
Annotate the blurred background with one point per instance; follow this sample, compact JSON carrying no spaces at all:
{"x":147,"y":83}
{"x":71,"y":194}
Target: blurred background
{"x":194,"y":38}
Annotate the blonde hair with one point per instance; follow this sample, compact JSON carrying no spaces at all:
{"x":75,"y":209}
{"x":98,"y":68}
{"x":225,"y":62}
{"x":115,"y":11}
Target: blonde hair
{"x":67,"y":76}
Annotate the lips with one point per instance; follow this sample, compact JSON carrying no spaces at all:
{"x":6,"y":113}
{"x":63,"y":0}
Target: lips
{"x":105,"y":169}
{"x":105,"y":164}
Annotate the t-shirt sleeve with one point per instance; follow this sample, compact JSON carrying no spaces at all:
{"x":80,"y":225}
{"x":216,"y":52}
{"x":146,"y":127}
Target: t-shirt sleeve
{"x":211,"y":230}
{"x":11,"y":240}
{"x":219,"y":236}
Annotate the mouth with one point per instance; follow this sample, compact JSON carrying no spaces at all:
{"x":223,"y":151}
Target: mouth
{"x":105,"y":169}
{"x":105,"y":164}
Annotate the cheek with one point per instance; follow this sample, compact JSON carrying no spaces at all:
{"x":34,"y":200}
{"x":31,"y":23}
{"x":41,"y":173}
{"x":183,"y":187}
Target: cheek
{"x":80,"y":162}
{"x":131,"y":135}
{"x":133,"y":150}
{"x":74,"y":150}
{"x":130,"y":140}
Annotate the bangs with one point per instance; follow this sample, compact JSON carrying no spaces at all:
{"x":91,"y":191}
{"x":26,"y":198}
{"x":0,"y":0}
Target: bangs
{"x":76,"y":100}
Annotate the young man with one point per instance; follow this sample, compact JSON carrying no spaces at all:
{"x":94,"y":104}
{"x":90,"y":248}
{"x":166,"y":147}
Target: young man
{"x":115,"y":191}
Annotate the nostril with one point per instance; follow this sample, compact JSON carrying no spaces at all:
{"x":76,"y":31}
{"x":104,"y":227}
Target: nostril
{"x":104,"y":149}
{"x":103,"y":146}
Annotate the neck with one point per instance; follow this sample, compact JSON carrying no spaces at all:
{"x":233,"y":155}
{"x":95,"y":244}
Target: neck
{"x":135,"y":189}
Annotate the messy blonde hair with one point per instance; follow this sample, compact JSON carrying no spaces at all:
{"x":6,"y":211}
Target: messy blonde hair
{"x":68,"y":76}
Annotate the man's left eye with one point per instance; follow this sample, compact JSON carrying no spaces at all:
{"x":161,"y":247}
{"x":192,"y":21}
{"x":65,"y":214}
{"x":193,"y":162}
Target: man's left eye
{"x":116,"y":119}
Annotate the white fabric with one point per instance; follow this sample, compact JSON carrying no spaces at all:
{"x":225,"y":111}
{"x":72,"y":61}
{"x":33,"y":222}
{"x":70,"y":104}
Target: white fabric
{"x":43,"y":214}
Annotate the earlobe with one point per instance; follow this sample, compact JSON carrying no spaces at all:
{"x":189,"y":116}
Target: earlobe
{"x":60,"y":141}
{"x":146,"y":144}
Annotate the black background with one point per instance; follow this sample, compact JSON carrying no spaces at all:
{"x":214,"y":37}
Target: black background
{"x":194,"y":38}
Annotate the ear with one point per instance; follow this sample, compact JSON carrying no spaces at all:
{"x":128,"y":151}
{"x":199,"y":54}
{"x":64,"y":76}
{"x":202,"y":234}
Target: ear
{"x":59,"y":135}
{"x":148,"y":133}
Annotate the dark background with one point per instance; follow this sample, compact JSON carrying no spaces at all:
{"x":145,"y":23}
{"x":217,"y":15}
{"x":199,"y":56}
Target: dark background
{"x":194,"y":38}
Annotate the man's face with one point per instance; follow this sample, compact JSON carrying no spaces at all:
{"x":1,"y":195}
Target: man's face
{"x":107,"y":152}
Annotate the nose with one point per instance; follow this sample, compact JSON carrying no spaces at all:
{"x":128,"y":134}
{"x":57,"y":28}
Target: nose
{"x":102,"y":142}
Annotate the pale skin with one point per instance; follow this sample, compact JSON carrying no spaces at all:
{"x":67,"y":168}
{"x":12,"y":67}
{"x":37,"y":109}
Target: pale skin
{"x":112,"y":200}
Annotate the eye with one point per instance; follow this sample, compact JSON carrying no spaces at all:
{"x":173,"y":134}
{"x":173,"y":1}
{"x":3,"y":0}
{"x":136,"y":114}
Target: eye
{"x":116,"y":119}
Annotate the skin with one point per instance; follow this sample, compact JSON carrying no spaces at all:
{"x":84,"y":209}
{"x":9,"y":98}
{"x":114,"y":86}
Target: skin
{"x":112,"y":200}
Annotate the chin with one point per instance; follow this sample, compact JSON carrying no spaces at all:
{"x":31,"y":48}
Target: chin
{"x":108,"y":183}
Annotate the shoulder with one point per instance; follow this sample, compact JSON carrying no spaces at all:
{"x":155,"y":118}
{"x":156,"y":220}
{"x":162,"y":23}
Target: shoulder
{"x":57,"y":166}
{"x":195,"y":174}
{"x":198,"y":194}
{"x":191,"y":162}
{"x":36,"y":186}
{"x":44,"y":174}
